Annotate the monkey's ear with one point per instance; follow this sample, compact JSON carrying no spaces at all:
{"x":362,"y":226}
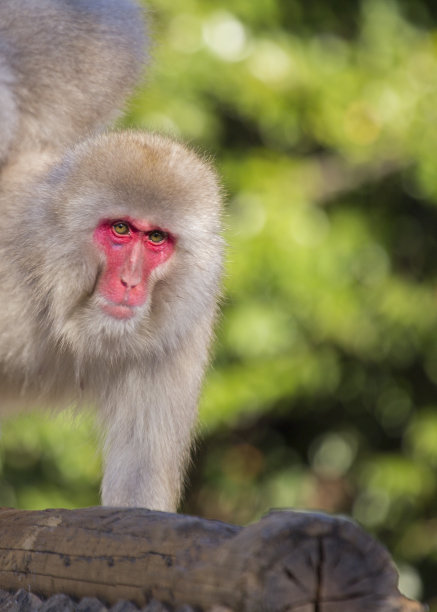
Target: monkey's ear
{"x":8,"y":110}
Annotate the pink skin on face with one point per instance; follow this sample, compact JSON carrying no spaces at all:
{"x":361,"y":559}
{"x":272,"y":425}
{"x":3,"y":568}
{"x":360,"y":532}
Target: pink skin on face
{"x":130,"y":258}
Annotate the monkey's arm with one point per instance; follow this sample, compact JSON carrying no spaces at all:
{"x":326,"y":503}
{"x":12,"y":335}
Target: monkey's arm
{"x":149,"y":417}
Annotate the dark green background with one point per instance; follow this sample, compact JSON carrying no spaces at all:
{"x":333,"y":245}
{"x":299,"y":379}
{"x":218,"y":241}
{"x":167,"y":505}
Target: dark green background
{"x":322,"y":118}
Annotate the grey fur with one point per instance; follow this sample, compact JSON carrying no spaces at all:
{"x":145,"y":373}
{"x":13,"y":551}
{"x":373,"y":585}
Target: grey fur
{"x":66,"y":68}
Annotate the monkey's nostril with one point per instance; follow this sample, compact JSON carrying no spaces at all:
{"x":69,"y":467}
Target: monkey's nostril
{"x":129,"y":283}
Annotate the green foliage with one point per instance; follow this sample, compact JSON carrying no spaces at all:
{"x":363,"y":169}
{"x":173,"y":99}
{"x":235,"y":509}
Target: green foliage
{"x":322,"y":395}
{"x":49,"y":462}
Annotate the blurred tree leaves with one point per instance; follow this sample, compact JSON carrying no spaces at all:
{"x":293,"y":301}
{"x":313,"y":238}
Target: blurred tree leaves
{"x":323,"y":123}
{"x":49,"y":462}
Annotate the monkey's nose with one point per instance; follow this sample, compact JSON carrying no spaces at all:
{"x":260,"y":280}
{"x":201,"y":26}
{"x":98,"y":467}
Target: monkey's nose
{"x":130,"y":278}
{"x":132,"y":271}
{"x":129,"y":283}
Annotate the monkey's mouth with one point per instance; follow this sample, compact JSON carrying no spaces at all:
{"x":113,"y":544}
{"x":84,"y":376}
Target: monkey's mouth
{"x":118,"y":311}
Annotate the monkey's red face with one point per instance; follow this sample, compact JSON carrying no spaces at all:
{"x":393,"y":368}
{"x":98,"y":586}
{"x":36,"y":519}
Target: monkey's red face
{"x":133,"y":249}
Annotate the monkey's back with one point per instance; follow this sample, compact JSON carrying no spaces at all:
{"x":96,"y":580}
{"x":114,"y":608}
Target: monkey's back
{"x":66,"y":67}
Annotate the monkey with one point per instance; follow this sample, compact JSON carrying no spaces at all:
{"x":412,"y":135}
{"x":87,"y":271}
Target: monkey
{"x":66,"y":68}
{"x":110,"y":272}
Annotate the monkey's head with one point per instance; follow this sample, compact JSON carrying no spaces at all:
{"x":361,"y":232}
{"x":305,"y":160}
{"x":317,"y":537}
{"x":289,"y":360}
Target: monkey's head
{"x":133,"y":254}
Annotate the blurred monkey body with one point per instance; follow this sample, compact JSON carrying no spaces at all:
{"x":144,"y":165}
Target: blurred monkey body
{"x":66,"y":68}
{"x":110,"y":270}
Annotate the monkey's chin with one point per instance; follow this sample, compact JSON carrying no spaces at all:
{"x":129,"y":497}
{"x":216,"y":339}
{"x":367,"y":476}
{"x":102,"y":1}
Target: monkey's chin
{"x":118,"y":311}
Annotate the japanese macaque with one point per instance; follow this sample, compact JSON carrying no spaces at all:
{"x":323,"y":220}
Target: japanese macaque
{"x":110,"y":265}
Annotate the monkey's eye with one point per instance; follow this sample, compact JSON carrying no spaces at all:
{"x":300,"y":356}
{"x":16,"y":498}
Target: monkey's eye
{"x":157,"y":236}
{"x":120,"y":228}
